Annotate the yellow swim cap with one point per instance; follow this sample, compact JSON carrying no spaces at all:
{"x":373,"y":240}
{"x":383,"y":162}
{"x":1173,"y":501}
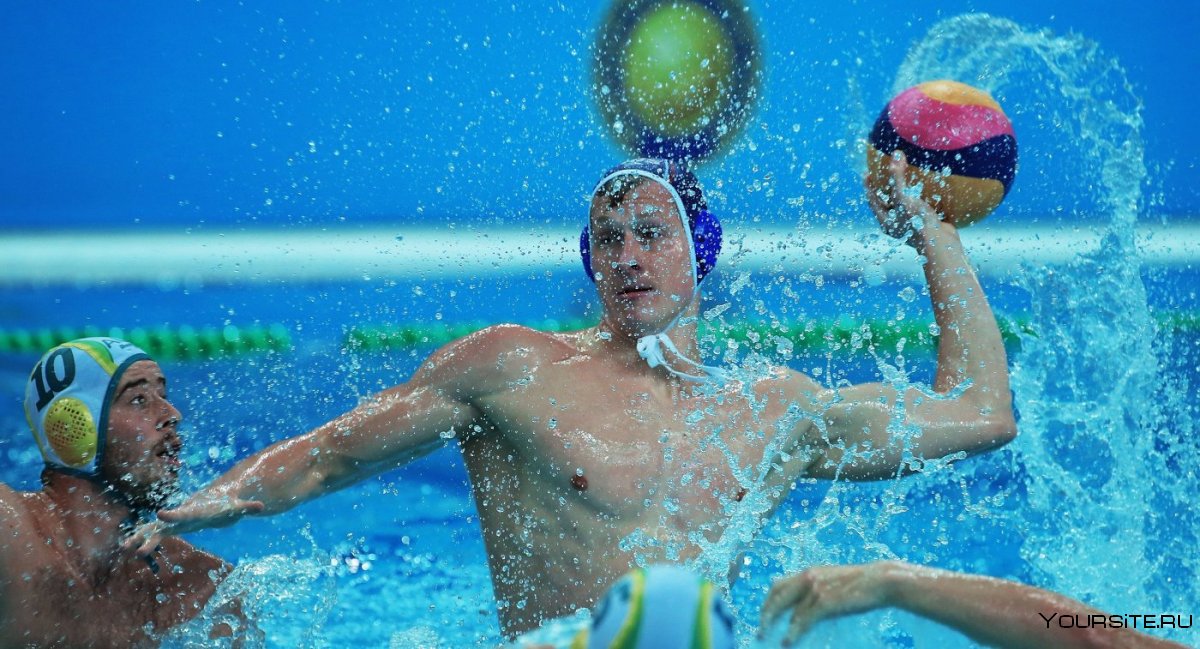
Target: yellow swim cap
{"x":67,"y":399}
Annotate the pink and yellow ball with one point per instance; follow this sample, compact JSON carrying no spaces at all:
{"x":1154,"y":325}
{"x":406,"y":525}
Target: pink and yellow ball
{"x":959,"y":144}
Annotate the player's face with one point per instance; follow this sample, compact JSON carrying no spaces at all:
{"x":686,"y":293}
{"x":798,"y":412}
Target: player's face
{"x":641,"y":258}
{"x":141,"y":457}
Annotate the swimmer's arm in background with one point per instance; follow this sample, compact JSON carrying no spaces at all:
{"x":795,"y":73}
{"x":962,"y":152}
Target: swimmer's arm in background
{"x":992,"y":612}
{"x":13,"y":532}
{"x":389,"y":429}
{"x":970,"y":409}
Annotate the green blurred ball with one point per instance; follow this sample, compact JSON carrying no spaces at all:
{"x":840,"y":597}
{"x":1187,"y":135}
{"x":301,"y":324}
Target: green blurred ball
{"x":677,"y":67}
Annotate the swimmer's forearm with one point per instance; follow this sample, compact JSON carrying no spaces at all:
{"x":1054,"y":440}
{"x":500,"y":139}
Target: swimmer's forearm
{"x":1000,"y":613}
{"x":280,"y":476}
{"x":970,"y":351}
{"x":391,"y":429}
{"x":969,"y":341}
{"x":300,"y":469}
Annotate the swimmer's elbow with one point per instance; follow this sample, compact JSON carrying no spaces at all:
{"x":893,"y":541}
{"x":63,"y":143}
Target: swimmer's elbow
{"x":329,"y":476}
{"x":999,"y":431}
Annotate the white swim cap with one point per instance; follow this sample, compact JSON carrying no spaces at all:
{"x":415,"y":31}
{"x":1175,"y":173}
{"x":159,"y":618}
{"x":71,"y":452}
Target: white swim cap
{"x":67,"y":399}
{"x":661,"y":607}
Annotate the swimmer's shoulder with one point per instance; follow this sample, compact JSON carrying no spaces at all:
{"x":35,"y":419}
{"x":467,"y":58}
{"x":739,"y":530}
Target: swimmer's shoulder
{"x":8,"y":496}
{"x":194,"y":561}
{"x":16,"y":528}
{"x":498,"y":351}
{"x":15,"y":510}
{"x":502,"y":342}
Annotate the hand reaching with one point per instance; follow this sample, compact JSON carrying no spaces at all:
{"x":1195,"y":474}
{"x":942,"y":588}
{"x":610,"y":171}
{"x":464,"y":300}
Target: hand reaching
{"x":198,"y":513}
{"x":821,"y":593}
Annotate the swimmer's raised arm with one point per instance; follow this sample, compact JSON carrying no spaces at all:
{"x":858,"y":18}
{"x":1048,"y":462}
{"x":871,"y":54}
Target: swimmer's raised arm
{"x":970,"y":409}
{"x":993,"y":612}
{"x":389,"y":429}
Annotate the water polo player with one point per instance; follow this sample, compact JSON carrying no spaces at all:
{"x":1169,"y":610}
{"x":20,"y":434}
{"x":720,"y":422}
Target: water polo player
{"x":99,"y":413}
{"x":593,"y":450}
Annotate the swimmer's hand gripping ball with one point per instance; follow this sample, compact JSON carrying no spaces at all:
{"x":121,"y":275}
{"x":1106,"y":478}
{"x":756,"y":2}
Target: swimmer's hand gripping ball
{"x":959,"y":144}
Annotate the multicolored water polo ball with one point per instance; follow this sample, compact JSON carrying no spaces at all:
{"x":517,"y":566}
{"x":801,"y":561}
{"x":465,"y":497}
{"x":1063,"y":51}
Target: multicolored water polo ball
{"x":676,"y":78}
{"x":959,"y":144}
{"x":660,"y":606}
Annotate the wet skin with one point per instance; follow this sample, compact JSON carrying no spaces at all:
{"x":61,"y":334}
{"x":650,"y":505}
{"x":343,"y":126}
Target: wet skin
{"x":64,"y":581}
{"x":532,"y":410}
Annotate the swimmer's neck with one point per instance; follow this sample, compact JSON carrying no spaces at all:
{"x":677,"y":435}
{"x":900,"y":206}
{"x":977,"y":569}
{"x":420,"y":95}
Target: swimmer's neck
{"x":620,"y":345}
{"x":88,"y":513}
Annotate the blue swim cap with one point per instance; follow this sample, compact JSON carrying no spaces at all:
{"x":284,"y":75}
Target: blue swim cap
{"x":660,"y":607}
{"x":68,"y":395}
{"x":702,"y":225}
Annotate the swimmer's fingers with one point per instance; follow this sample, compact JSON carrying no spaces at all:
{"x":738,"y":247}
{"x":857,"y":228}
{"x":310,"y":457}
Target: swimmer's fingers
{"x":886,"y":202}
{"x":800,"y":598}
{"x":191,"y":516}
{"x":803,"y":618}
{"x":903,"y":195}
{"x":144,"y":539}
{"x":783,"y":596}
{"x":825,"y":592}
{"x":877,"y":200}
{"x":901,"y":211}
{"x":793,"y":596}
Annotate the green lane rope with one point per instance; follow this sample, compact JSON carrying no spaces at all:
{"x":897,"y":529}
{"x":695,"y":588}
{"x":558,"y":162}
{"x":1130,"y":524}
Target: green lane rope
{"x":164,"y":343}
{"x":831,"y":334}
{"x":188,"y":343}
{"x":811,"y":334}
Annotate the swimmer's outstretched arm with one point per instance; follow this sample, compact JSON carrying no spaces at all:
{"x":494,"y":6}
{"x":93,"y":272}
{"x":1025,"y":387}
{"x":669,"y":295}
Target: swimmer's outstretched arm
{"x":971,"y":410}
{"x":390,"y":429}
{"x":990,"y":611}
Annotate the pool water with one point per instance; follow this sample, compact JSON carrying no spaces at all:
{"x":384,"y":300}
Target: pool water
{"x":402,"y":553}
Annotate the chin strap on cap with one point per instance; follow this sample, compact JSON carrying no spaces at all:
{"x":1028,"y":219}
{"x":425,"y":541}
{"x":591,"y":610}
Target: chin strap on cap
{"x":650,"y":348}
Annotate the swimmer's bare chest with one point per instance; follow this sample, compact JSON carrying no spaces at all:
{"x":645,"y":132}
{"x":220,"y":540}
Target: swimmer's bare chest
{"x":622,"y":452}
{"x":50,"y":603}
{"x":580,"y":474}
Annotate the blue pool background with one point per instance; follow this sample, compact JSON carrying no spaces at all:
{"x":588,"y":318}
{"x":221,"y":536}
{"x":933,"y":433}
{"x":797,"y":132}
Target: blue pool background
{"x":208,"y":118}
{"x":207,"y":115}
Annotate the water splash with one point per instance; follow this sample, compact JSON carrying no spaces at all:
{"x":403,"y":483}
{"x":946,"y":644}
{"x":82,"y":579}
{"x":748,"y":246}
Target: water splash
{"x":287,"y":599}
{"x":1082,"y":382}
{"x":1084,"y":498}
{"x":1089,"y":383}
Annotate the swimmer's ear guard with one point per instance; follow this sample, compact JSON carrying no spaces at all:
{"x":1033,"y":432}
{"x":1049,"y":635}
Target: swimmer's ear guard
{"x":660,"y":607}
{"x":68,"y":396}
